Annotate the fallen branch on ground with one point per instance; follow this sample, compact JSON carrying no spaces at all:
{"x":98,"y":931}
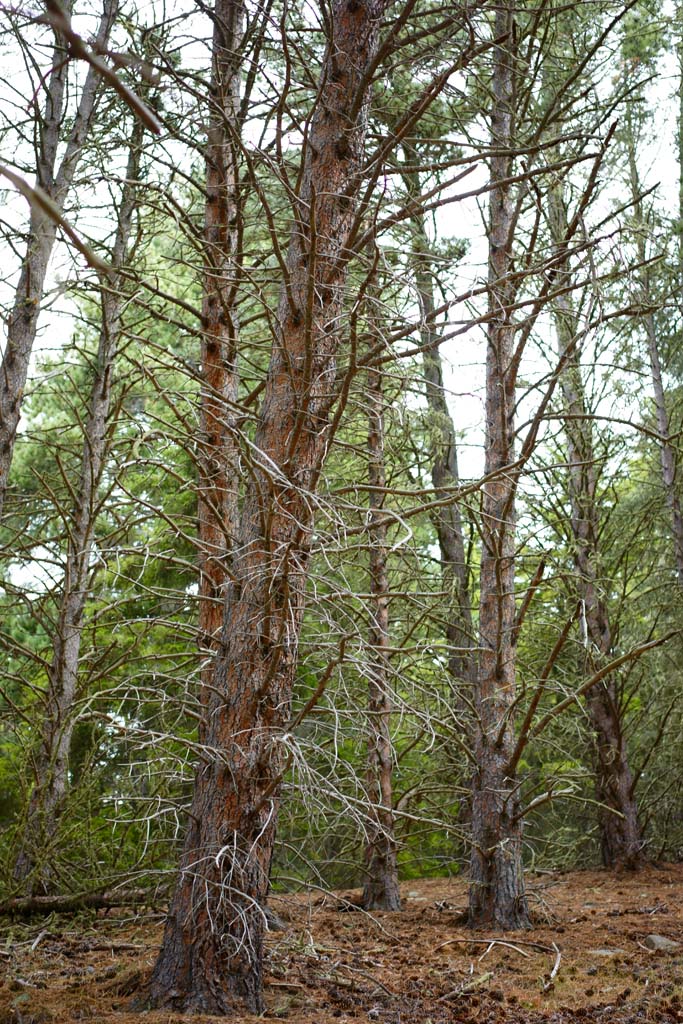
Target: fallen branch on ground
{"x":547,"y":985}
{"x":28,"y":906}
{"x":468,"y":987}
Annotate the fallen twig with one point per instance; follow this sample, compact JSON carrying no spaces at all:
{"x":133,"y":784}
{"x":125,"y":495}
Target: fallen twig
{"x":467,"y":987}
{"x":114,"y":947}
{"x":485,"y":942}
{"x":39,"y":938}
{"x":508,"y":945}
{"x":547,"y":985}
{"x":368,"y":977}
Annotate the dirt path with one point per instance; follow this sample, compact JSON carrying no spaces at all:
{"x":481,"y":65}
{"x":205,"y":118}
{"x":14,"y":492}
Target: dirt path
{"x":334,"y":966}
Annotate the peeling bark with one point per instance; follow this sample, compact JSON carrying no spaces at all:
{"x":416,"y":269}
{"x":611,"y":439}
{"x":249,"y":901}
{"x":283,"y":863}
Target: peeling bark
{"x":497,"y":895}
{"x":56,"y":182}
{"x":219,"y":453}
{"x":211,"y":959}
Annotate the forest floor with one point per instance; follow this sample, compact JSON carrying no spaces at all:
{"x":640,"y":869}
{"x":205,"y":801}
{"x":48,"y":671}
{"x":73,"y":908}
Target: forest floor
{"x":587,"y":959}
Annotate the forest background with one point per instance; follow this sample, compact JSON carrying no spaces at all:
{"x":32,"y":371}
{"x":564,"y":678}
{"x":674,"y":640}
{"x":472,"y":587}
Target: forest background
{"x":268,"y":261}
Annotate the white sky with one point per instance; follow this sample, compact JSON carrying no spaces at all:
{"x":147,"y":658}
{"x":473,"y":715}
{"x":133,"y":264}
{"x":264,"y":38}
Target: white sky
{"x":464,"y":356}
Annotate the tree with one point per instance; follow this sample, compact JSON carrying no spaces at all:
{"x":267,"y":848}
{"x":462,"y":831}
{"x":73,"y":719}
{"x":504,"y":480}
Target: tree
{"x":211,"y":957}
{"x":497,"y":896}
{"x":55,"y":179}
{"x":380,"y":888}
{"x":621,"y":837}
{"x":218,"y":460}
{"x":448,"y":518}
{"x":642,"y":280}
{"x":32,"y":867}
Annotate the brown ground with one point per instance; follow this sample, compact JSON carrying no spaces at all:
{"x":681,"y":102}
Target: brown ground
{"x":418,"y":967}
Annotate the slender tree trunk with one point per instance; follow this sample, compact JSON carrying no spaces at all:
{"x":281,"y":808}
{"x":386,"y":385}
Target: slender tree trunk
{"x":219,"y":455}
{"x":380,"y":891}
{"x":667,"y":452}
{"x":211,"y":959}
{"x":23,"y":319}
{"x":444,"y":459}
{"x":621,"y":837}
{"x":32,"y":866}
{"x":678,"y":22}
{"x":497,"y":896}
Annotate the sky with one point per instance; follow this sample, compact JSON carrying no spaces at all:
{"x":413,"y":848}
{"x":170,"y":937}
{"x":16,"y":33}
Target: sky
{"x":464,"y":356}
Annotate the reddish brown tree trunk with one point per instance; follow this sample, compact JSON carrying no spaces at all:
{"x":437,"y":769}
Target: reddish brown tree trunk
{"x":497,"y":896}
{"x":621,"y":837}
{"x":33,"y":864}
{"x":211,"y":959}
{"x":380,"y":890}
{"x":56,"y":182}
{"x":218,"y":454}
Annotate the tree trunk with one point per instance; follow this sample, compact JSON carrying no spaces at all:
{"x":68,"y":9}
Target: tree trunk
{"x":621,"y":838}
{"x":678,"y":30}
{"x":211,"y":959}
{"x":219,"y":453}
{"x":444,"y":452}
{"x":32,"y":867}
{"x":497,"y":896}
{"x":23,"y":319}
{"x":380,"y":890}
{"x":667,"y":452}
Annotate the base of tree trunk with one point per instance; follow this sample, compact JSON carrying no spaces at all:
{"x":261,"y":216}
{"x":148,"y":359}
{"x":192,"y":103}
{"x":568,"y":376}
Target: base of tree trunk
{"x":381,"y":894}
{"x":621,"y":837}
{"x":380,"y":889}
{"x":199,"y":971}
{"x":497,"y":894}
{"x":621,"y":841}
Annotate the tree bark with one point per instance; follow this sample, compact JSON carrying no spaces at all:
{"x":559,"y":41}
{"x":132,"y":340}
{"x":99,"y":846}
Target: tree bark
{"x":219,"y":453}
{"x":678,"y":29}
{"x":380,"y":890}
{"x":667,"y":452}
{"x":621,"y":837}
{"x":33,"y":864}
{"x":497,"y":896}
{"x":444,"y":460}
{"x":23,"y":319}
{"x":211,"y":958}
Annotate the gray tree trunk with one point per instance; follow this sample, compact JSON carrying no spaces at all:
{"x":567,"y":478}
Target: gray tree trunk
{"x":380,"y":889}
{"x":497,"y":895}
{"x":620,"y":834}
{"x":23,"y":319}
{"x":444,"y":459}
{"x":667,"y":451}
{"x":32,"y":867}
